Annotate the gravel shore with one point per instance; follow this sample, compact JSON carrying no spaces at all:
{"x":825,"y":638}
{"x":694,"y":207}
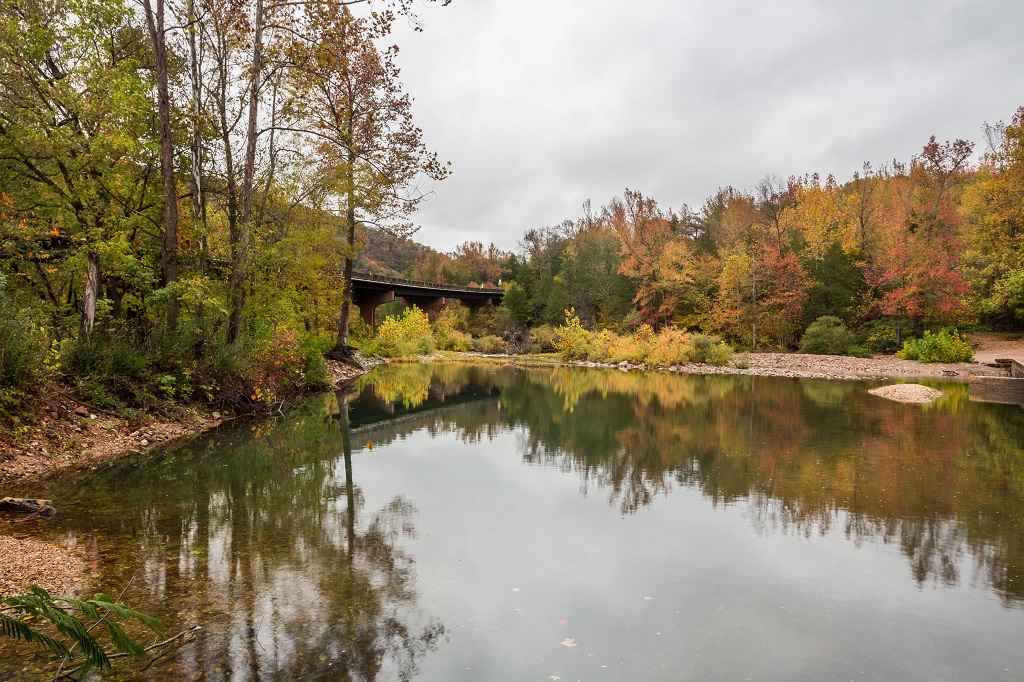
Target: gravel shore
{"x":824,"y":367}
{"x":25,"y":562}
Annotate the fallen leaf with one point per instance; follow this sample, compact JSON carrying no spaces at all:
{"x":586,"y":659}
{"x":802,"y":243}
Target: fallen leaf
{"x":563,"y":622}
{"x":568,"y":641}
{"x":369,"y":445}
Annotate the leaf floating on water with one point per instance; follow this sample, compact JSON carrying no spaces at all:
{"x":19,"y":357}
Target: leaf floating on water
{"x":563,"y":622}
{"x":568,"y":641}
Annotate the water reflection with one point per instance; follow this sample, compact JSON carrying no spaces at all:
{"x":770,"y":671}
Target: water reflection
{"x":293,"y":542}
{"x":269,"y":548}
{"x":943,"y":482}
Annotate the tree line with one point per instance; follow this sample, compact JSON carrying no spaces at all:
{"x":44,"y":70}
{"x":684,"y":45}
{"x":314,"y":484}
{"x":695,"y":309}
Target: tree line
{"x":895,"y":250}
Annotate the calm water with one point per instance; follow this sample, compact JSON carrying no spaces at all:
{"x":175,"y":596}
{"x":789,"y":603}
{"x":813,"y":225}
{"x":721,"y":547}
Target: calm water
{"x":447,"y":522}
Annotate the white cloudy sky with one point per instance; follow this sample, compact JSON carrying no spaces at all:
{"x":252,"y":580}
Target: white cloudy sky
{"x":541,"y":104}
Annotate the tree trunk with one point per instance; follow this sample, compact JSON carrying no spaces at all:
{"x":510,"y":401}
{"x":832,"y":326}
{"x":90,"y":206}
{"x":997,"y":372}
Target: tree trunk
{"x":198,"y":218}
{"x":169,"y":247}
{"x":240,"y":246}
{"x":341,"y":350}
{"x":92,"y":287}
{"x":753,"y":307}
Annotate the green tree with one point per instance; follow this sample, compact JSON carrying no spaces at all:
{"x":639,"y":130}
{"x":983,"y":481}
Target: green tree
{"x":368,"y":152}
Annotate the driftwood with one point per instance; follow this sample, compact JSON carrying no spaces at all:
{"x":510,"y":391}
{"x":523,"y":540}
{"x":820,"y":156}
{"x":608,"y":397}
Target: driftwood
{"x":37,"y":508}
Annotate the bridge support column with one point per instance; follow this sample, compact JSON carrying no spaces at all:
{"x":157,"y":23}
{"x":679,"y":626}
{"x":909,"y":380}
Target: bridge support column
{"x":428,"y":304}
{"x":476,"y":304}
{"x":368,"y":301}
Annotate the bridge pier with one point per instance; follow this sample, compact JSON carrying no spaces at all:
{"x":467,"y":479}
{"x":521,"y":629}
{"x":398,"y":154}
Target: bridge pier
{"x":476,"y":304}
{"x":367,"y":302}
{"x":428,"y":304}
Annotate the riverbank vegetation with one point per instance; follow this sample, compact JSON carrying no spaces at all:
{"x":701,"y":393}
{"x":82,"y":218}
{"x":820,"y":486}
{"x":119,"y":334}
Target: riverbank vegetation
{"x":183,"y":203}
{"x":183,"y":192}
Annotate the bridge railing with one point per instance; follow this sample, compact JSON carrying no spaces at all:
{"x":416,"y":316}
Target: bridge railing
{"x":384,"y":279}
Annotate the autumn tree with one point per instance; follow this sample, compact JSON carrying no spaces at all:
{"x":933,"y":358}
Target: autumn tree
{"x":359,"y":122}
{"x":75,"y":143}
{"x":994,"y":212}
{"x":652,"y":256}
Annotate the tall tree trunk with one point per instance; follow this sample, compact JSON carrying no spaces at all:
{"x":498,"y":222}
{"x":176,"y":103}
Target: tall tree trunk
{"x":198,"y":217}
{"x":341,"y":350}
{"x":240,"y":245}
{"x":169,"y":247}
{"x":753,"y":306}
{"x":92,"y":288}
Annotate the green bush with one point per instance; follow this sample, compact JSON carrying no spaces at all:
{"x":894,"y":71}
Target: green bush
{"x":827,"y":335}
{"x":946,"y":346}
{"x":543,"y":339}
{"x":453,"y":339}
{"x":23,"y":342}
{"x":491,"y":345}
{"x":859,"y":352}
{"x":572,"y":340}
{"x":402,"y":336}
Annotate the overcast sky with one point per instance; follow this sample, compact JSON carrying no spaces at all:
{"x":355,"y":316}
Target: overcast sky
{"x":541,"y":104}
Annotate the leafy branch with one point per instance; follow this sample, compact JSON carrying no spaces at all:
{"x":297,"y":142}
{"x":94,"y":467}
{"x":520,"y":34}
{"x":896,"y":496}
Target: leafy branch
{"x":66,"y":615}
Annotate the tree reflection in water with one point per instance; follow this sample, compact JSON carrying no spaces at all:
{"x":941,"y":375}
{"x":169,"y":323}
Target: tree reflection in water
{"x":268,"y":548}
{"x":944,"y":481}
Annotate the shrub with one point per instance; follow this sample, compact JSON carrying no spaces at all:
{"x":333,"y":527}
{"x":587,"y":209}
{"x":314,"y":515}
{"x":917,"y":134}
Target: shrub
{"x":671,"y":347}
{"x":491,"y":345}
{"x":23,"y":342}
{"x":946,"y":346}
{"x":543,"y":339}
{"x":453,"y":339}
{"x":668,"y":347}
{"x":859,"y":352}
{"x":449,"y":332}
{"x":707,"y":351}
{"x":827,"y":335}
{"x":573,"y":341}
{"x":402,"y":336}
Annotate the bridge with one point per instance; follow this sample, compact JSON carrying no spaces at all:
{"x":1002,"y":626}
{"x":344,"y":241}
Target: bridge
{"x":370,"y":291}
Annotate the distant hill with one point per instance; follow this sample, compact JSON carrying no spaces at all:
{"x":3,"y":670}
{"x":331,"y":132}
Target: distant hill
{"x":386,"y":254}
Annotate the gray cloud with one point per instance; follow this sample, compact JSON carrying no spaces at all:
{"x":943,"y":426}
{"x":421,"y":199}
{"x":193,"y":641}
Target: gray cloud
{"x":541,"y":104}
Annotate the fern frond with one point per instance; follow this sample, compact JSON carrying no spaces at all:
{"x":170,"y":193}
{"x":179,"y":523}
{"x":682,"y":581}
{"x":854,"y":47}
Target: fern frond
{"x":128,"y":613}
{"x":85,"y":607}
{"x":122,"y":641}
{"x":13,"y":628}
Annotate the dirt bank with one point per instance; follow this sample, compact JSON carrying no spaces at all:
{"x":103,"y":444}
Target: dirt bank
{"x":992,"y":346}
{"x":70,"y":433}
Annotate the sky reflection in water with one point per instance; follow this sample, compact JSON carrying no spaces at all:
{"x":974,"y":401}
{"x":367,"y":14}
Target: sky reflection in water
{"x":499,"y":523}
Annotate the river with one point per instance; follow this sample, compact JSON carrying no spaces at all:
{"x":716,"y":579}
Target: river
{"x":453,"y":522}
